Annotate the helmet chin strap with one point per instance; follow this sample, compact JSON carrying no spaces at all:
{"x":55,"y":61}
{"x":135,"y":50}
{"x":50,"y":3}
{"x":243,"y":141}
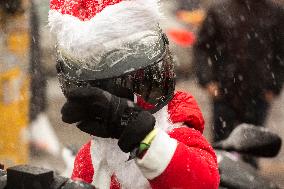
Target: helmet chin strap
{"x":161,"y":105}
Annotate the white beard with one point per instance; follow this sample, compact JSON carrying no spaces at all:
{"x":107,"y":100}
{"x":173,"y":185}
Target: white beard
{"x":108,"y":159}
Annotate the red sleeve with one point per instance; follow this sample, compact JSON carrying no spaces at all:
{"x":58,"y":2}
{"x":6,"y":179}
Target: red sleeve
{"x":192,"y":165}
{"x":83,"y":167}
{"x":183,"y":108}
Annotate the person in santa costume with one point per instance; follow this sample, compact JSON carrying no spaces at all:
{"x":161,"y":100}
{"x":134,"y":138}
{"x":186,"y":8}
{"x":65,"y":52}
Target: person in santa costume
{"x":117,"y":73}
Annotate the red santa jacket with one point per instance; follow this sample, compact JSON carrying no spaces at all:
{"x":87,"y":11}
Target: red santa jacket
{"x":179,"y":156}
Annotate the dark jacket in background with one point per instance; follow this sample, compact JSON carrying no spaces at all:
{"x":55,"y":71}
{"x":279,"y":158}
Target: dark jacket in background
{"x":241,"y":46}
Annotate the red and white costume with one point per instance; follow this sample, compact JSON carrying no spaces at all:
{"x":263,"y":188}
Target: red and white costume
{"x":179,"y":156}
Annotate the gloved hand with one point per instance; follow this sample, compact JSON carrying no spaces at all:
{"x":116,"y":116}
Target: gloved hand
{"x":102,"y":114}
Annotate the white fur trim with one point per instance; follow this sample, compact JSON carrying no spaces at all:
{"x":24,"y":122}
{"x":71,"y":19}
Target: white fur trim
{"x":78,"y":37}
{"x":162,"y":119}
{"x":158,"y":156}
{"x":102,"y":174}
{"x":108,"y":159}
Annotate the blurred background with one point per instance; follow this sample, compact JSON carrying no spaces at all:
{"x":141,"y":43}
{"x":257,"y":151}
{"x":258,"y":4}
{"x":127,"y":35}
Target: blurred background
{"x":31,"y":130}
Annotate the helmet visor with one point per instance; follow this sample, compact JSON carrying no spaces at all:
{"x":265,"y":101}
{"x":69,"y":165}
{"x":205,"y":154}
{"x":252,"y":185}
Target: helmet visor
{"x":155,"y":84}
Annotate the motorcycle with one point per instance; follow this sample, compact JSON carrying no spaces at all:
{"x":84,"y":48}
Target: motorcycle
{"x":249,"y":140}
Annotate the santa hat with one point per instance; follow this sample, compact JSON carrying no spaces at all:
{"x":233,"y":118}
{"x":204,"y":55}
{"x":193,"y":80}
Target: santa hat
{"x":87,"y":29}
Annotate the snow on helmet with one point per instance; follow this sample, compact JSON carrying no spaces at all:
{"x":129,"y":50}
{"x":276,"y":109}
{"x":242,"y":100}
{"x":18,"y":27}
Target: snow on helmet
{"x":115,"y":45}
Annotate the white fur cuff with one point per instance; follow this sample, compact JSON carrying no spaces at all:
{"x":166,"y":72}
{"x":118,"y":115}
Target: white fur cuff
{"x":158,"y":156}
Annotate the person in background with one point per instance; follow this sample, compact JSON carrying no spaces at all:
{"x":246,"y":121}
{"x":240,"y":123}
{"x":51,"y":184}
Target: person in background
{"x":117,"y":73}
{"x":239,"y":59}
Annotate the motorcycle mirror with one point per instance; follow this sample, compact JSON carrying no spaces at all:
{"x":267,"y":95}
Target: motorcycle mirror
{"x":253,"y":140}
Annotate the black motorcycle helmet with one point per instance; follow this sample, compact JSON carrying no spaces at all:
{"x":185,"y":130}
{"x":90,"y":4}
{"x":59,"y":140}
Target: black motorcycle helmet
{"x":134,"y":70}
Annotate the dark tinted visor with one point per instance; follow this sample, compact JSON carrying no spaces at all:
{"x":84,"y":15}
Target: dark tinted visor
{"x":155,"y":83}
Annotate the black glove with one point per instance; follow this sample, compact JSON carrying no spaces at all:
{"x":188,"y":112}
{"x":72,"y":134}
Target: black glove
{"x":102,"y":114}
